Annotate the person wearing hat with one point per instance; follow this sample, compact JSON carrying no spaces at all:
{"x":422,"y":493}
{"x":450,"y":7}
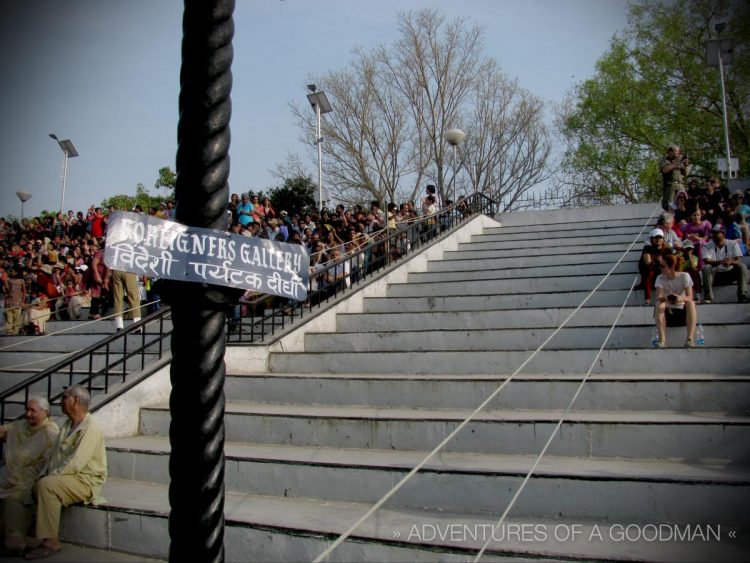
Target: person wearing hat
{"x":649,"y":265}
{"x":723,"y":266}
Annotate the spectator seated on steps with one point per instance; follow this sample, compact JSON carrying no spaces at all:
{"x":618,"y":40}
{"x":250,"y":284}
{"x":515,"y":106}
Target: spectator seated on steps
{"x":75,"y":473}
{"x":672,"y":234}
{"x":674,"y":304}
{"x":723,"y":265}
{"x":697,"y":230}
{"x":691,"y":265}
{"x":649,"y":265}
{"x":28,"y":445}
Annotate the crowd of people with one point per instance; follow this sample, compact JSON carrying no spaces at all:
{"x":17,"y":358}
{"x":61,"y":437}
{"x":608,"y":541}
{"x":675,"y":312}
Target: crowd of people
{"x":698,"y":242}
{"x":53,"y":266}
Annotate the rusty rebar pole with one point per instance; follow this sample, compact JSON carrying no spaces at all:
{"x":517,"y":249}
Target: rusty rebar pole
{"x":196,"y":433}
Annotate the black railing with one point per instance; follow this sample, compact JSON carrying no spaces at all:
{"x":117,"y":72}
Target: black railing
{"x":97,"y":367}
{"x":262,"y":317}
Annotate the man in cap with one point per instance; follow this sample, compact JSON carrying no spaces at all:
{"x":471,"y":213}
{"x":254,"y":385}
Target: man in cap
{"x":723,"y":265}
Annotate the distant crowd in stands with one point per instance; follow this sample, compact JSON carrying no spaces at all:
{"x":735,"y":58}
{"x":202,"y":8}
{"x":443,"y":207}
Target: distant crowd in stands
{"x":53,"y":266}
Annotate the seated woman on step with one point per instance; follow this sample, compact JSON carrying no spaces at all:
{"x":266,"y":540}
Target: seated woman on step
{"x":674,"y":305}
{"x":28,"y":446}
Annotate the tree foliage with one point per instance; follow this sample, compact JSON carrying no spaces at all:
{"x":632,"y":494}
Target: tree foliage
{"x":294,"y":196}
{"x":653,"y":88}
{"x":385,"y":138}
{"x":127,"y":202}
{"x":167,"y":179}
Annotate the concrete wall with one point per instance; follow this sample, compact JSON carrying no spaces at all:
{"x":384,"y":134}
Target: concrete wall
{"x":254,"y":359}
{"x":120,"y":417}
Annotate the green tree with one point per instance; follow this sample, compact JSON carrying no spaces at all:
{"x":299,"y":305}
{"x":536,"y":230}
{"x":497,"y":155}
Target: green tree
{"x":653,"y":88}
{"x":296,"y":195}
{"x":167,"y":179}
{"x":128,"y":202}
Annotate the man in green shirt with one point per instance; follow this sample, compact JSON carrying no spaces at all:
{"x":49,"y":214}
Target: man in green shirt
{"x":76,"y":472}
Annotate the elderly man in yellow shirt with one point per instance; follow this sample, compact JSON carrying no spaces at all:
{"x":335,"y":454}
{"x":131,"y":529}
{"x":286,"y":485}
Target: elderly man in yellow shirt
{"x":76,"y":472}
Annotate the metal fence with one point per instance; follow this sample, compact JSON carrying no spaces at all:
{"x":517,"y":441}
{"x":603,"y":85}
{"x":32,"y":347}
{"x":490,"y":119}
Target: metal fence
{"x":97,"y":367}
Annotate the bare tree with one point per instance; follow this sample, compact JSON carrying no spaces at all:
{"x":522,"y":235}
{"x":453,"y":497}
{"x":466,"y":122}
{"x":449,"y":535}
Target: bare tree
{"x":392,"y":107}
{"x":508,"y":147}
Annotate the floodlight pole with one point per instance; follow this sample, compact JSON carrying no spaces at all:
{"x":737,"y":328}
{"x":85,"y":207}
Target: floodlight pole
{"x":726,"y":118}
{"x":454,"y":137}
{"x":319,"y":101}
{"x":319,"y":142}
{"x":69,"y":151}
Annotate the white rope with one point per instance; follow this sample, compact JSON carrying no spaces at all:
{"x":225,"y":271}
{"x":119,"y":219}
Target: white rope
{"x":557,"y":427}
{"x":476,"y":411}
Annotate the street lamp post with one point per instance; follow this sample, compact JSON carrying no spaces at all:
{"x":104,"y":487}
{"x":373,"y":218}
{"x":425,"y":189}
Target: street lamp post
{"x":24,"y":197}
{"x":320,"y":104}
{"x":454,"y":137}
{"x":69,"y":151}
{"x":719,"y":53}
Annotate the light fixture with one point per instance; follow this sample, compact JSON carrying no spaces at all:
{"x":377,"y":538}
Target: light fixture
{"x":321,"y":105}
{"x":69,"y":151}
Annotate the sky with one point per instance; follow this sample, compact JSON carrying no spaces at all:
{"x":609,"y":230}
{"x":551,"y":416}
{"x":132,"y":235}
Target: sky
{"x":105,"y":74}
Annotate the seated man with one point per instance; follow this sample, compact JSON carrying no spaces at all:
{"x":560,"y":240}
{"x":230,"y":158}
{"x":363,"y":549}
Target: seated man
{"x":723,"y":265}
{"x":28,"y":445}
{"x":76,"y":472}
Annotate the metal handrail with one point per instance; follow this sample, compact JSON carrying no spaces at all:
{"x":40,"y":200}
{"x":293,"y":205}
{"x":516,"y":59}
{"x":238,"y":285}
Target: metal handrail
{"x":262,"y":322}
{"x":115,"y":365}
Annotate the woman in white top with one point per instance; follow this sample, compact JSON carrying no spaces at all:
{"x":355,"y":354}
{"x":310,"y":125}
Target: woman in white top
{"x":674,"y":305}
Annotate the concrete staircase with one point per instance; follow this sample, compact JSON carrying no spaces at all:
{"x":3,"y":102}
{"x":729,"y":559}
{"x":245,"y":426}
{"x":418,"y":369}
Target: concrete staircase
{"x":655,"y":451}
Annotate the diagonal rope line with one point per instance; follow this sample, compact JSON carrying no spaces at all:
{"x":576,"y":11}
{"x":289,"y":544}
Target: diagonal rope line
{"x":477,"y":410}
{"x":556,"y":429}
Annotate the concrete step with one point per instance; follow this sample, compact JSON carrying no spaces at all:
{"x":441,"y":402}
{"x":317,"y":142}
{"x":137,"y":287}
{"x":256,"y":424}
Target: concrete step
{"x":455,"y":261}
{"x":659,"y":435}
{"x":545,"y":272}
{"x":637,"y":490}
{"x":272,"y":528}
{"x":574,"y":244}
{"x":607,"y":214}
{"x":484,"y":340}
{"x":561,"y":252}
{"x":521,"y":301}
{"x":559,"y":235}
{"x":649,"y":392}
{"x":534,"y":285}
{"x":602,"y":225}
{"x":714,"y":314}
{"x":637,"y":361}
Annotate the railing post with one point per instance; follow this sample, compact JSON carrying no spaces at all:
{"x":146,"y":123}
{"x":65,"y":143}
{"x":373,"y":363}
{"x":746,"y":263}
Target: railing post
{"x":196,"y":434}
